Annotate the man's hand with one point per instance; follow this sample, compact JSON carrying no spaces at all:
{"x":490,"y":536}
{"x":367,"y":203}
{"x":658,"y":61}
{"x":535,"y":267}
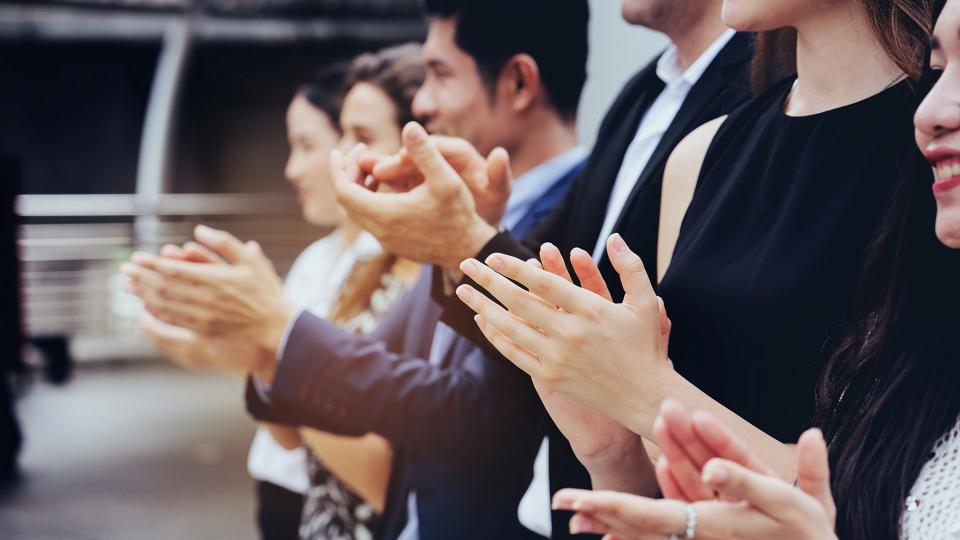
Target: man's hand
{"x":194,"y":351}
{"x":242,"y":299}
{"x":436,"y":222}
{"x":487,"y":179}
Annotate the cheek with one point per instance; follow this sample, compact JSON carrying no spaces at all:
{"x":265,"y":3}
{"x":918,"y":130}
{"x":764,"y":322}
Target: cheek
{"x":923,"y":140}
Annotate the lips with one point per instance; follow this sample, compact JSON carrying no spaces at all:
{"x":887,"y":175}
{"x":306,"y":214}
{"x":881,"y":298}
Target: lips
{"x":946,"y":169}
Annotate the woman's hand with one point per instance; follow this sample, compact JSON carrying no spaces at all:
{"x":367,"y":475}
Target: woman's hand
{"x":688,"y":442}
{"x":571,"y":340}
{"x":766,"y":506}
{"x":614,"y":456}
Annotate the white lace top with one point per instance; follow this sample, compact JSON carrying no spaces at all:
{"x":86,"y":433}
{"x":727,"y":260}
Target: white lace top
{"x":933,"y":507}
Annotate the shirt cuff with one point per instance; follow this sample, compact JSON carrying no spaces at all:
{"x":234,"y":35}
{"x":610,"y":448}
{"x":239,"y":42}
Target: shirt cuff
{"x":262,"y":388}
{"x":286,"y":335}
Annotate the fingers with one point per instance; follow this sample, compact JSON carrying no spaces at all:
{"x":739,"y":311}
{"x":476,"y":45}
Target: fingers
{"x":362,"y":204}
{"x":679,"y":423}
{"x":551,"y":288}
{"x":552,"y":261}
{"x":513,"y":329}
{"x":426,"y":156}
{"x":724,"y":443}
{"x":519,"y":302}
{"x":523,"y":359}
{"x":769,"y":494}
{"x":220,"y":242}
{"x":625,"y":513}
{"x":683,"y":471}
{"x":199,"y":253}
{"x":175,"y":269}
{"x":813,"y":468}
{"x":633,"y":275}
{"x":589,"y":274}
{"x":499,"y":174}
{"x":668,"y":484}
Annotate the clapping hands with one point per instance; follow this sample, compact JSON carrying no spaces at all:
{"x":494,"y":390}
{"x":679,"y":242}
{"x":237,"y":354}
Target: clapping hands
{"x":750,"y":502}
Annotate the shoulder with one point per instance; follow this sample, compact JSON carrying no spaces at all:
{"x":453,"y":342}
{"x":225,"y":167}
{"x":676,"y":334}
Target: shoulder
{"x":687,"y":158}
{"x":320,"y":254}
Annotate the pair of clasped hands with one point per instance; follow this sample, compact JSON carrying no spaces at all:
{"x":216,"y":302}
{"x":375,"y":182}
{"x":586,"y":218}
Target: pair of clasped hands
{"x":593,"y":362}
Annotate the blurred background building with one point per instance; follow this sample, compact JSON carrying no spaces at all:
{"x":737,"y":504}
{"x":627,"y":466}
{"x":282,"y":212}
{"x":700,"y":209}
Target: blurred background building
{"x":132,"y":121}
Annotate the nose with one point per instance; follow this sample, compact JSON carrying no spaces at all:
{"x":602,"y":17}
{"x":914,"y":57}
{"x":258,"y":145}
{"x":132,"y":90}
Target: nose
{"x":939,"y":112}
{"x":292,"y":169}
{"x":424,"y":107}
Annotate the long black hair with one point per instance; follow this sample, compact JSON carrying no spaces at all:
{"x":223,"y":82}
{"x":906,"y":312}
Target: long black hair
{"x":893,"y":386}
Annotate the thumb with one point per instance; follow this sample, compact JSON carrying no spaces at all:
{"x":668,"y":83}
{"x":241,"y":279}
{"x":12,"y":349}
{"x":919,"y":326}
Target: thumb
{"x":665,"y":326}
{"x":221,"y":242}
{"x":499,"y":173}
{"x":633,"y":276}
{"x":440,"y":176}
{"x":813,"y":468}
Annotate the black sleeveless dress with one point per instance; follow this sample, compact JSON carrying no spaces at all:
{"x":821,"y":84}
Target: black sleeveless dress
{"x":766,"y":267}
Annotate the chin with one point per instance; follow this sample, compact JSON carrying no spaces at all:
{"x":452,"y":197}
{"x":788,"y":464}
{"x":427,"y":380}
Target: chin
{"x":744,"y":16}
{"x":948,"y":219}
{"x":948,"y":231}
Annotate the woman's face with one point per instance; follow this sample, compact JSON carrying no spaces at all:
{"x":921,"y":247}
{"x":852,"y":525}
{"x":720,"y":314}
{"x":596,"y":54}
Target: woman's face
{"x":938,"y":124}
{"x":369,"y":116}
{"x":312,"y":136}
{"x":763,"y":15}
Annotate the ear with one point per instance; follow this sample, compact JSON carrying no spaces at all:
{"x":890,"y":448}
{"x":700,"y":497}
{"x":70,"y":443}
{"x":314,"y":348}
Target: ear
{"x":519,"y":86}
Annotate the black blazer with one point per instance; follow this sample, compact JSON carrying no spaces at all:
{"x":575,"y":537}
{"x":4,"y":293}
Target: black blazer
{"x":577,"y":220}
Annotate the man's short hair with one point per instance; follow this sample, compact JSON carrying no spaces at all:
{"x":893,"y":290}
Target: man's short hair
{"x":552,"y":32}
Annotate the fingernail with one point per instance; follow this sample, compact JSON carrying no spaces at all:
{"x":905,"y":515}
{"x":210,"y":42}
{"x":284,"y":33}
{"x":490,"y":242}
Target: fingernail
{"x":140,"y":257}
{"x":480,"y":322}
{"x":202,"y":231}
{"x":415,"y":132}
{"x":465,"y":293}
{"x":469,"y":267}
{"x":716,"y":474}
{"x":496,"y":262}
{"x":618,"y":244}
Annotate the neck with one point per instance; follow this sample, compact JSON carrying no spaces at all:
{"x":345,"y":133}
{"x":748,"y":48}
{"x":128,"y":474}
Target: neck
{"x":693,"y":38}
{"x":838,"y":63}
{"x":554,"y":137}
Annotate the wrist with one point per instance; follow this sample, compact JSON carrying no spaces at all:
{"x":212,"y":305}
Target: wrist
{"x":623,"y":467}
{"x":640,"y":408}
{"x":478,"y":234}
{"x":275,"y":326}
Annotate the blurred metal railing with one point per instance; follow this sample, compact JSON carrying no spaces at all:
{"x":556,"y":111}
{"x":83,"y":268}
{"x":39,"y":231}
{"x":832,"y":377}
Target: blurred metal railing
{"x":71,"y":247}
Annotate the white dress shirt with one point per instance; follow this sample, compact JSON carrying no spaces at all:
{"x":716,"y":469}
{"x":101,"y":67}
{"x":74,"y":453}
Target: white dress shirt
{"x":534,"y":509}
{"x":313,"y":283}
{"x":655,"y":123}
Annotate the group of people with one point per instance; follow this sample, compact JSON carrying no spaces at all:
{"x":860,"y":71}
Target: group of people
{"x":728,"y":320}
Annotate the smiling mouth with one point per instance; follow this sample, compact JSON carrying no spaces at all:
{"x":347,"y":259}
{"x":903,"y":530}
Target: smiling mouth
{"x":946,"y":173}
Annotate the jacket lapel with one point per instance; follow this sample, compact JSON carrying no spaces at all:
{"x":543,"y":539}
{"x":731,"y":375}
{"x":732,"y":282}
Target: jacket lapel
{"x":594,"y":192}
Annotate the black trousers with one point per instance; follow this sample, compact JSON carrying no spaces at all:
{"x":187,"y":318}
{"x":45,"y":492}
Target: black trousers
{"x":9,"y":430}
{"x":278,"y":512}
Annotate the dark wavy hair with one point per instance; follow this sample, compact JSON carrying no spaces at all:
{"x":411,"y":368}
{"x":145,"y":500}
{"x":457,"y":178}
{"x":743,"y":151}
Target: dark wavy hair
{"x":323,"y":91}
{"x":893,"y":386}
{"x":398,"y":71}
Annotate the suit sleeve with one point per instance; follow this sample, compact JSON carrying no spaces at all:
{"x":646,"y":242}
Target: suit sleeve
{"x":347,"y":384}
